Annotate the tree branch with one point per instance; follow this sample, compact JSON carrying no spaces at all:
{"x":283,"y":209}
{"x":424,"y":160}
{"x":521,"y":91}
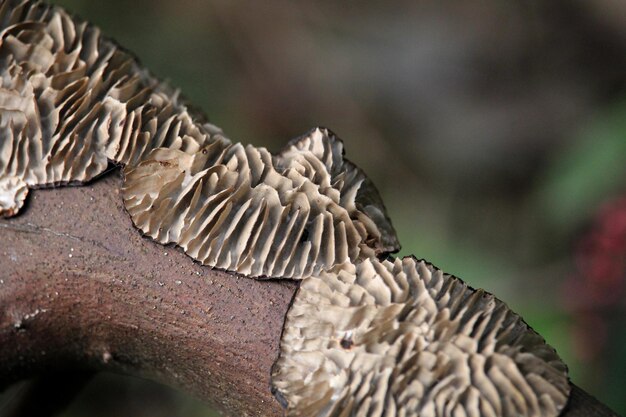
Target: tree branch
{"x":582,"y":404}
{"x":80,"y":288}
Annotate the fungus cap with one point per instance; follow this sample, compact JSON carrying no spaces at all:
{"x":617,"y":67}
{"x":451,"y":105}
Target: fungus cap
{"x":242,"y":209}
{"x":72,"y":101}
{"x":386,"y":338}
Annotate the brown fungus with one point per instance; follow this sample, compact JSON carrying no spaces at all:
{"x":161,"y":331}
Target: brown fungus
{"x":383,"y":338}
{"x":72,"y":102}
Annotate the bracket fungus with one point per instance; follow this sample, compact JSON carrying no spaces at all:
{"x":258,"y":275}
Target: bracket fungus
{"x":364,"y":336}
{"x":239,"y":208}
{"x":73,"y":102}
{"x":400,"y":338}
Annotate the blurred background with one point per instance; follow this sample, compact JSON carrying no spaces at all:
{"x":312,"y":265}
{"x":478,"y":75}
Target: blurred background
{"x":495,"y":132}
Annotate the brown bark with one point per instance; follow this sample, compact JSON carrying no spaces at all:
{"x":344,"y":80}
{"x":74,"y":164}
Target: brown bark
{"x":582,"y":404}
{"x":80,"y":288}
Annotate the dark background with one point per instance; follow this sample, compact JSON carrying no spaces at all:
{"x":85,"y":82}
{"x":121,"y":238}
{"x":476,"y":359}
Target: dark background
{"x":495,"y":132}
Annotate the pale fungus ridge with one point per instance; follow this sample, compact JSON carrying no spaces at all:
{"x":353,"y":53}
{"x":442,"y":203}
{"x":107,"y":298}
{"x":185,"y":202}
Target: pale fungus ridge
{"x":72,"y":102}
{"x":400,"y":338}
{"x":12,"y":194}
{"x":364,"y":337}
{"x":239,"y":208}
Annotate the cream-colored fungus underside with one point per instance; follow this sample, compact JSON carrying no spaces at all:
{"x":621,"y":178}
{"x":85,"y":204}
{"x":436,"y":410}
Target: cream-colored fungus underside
{"x":363,"y":337}
{"x":12,"y":194}
{"x":239,"y":208}
{"x":400,"y":338}
{"x":72,"y":102}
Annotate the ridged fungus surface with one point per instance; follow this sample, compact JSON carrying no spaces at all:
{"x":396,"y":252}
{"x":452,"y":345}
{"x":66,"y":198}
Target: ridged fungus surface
{"x":401,"y":338}
{"x":73,"y":102}
{"x":239,"y":208}
{"x":364,"y":337}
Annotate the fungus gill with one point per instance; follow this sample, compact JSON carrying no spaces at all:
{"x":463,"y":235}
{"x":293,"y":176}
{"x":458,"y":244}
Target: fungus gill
{"x":400,"y":338}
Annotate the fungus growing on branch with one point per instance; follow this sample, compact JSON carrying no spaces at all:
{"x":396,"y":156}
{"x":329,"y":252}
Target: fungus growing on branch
{"x":387,"y":338}
{"x":365,"y":336}
{"x":241,"y":209}
{"x":74,"y":102}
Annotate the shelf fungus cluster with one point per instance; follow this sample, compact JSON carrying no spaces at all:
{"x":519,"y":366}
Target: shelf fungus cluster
{"x":73,"y":102}
{"x":365,"y":336}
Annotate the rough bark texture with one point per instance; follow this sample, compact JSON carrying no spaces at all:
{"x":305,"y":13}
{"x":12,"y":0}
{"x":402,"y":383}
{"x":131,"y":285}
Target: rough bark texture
{"x":80,"y":288}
